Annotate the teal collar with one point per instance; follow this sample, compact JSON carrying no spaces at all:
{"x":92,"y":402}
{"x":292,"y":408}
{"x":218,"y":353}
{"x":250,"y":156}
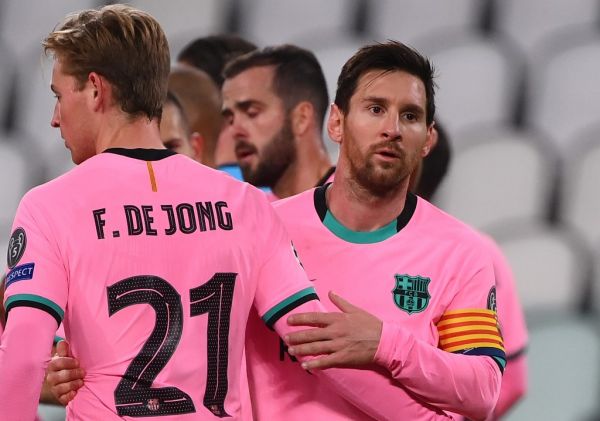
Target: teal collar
{"x":362,"y":237}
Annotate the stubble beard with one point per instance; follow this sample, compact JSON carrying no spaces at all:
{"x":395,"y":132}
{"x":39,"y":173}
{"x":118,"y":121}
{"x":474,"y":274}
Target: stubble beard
{"x":380,"y":179}
{"x":274,"y":159}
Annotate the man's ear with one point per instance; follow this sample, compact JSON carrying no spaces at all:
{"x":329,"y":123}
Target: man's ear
{"x":335,"y":124}
{"x":302,"y":117}
{"x":430,"y":141}
{"x":197,"y":142}
{"x":99,"y":90}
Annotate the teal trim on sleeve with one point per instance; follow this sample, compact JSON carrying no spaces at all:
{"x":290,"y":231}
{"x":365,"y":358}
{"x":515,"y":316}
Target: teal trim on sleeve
{"x":35,"y":301}
{"x":288,"y":304}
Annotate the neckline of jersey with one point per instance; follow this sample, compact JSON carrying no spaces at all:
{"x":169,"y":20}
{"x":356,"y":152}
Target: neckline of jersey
{"x":142,"y":154}
{"x":362,"y":237}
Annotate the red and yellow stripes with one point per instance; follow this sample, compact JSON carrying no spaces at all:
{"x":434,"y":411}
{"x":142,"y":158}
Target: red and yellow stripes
{"x":469,"y":328}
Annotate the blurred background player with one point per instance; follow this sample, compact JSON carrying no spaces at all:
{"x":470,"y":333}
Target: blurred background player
{"x":274,"y":102}
{"x":210,"y":54}
{"x":175,"y":130}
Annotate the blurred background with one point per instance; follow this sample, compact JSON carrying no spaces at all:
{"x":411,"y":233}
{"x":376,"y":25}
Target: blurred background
{"x":518,"y":92}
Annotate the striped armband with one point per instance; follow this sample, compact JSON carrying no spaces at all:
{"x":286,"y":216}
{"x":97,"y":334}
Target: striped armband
{"x":287,"y":305}
{"x":472,"y":332}
{"x":35,"y":301}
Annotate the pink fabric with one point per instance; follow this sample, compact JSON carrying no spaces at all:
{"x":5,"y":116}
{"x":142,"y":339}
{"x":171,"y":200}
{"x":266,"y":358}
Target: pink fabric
{"x":23,"y":372}
{"x":432,"y":245}
{"x":75,"y":268}
{"x":514,"y":331}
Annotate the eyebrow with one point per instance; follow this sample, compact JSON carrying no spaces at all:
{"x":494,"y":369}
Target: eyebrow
{"x":417,"y":109}
{"x":241,"y":105}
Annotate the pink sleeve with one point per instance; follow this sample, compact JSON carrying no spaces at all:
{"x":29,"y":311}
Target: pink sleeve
{"x":465,"y":384}
{"x":23,"y":372}
{"x":514,"y":332}
{"x":514,"y":385}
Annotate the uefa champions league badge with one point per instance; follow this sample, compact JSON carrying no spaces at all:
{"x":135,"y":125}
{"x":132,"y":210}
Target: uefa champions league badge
{"x":16,"y":247}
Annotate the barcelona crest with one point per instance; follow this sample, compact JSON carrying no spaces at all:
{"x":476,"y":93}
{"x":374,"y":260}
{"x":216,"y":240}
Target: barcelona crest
{"x":411,"y":293}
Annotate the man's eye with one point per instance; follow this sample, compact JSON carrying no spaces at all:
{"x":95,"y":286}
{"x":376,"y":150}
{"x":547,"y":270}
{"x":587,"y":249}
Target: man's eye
{"x":376,"y":109}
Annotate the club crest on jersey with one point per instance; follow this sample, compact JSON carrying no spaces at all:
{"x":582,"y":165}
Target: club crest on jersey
{"x":16,"y":247}
{"x":411,"y":293}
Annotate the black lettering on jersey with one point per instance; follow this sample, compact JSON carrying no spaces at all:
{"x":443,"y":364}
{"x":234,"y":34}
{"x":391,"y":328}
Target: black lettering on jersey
{"x":187,"y":225}
{"x":100,"y":223}
{"x":139,"y":220}
{"x":134,"y":220}
{"x":206,"y":214}
{"x":148,"y":220}
{"x":171,"y":215}
{"x":224,"y":218}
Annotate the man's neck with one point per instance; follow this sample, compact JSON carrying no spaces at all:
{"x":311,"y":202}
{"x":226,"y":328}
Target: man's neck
{"x":311,"y":164}
{"x":120,"y":132}
{"x":358,"y":209}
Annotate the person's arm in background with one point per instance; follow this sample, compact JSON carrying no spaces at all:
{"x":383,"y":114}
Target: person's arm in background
{"x":514,"y":331}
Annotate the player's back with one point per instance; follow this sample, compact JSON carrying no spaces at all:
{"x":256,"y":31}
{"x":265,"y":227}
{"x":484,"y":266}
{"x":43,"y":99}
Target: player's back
{"x":160,"y":279}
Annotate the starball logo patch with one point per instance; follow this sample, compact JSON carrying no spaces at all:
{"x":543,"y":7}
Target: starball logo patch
{"x":16,"y":247}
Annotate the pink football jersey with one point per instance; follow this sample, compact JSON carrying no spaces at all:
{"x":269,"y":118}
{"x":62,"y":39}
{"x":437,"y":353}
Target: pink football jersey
{"x":153,"y":263}
{"x":425,"y":273}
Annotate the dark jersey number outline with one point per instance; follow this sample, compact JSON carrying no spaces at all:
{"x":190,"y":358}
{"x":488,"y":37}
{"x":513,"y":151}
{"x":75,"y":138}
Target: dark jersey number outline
{"x":134,"y":395}
{"x":215,"y":298}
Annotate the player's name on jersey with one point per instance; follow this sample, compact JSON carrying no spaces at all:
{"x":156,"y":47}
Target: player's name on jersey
{"x":185,"y":218}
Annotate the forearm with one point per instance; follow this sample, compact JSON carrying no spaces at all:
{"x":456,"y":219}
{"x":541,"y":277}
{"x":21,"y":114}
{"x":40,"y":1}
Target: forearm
{"x":24,"y":354}
{"x":464,"y":384}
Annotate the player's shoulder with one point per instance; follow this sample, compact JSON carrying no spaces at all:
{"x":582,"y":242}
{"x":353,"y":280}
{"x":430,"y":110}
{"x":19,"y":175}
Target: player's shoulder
{"x":297,"y":203}
{"x":440,"y":224}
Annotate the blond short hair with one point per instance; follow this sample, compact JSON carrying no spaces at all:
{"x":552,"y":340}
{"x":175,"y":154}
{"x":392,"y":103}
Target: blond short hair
{"x":124,"y":45}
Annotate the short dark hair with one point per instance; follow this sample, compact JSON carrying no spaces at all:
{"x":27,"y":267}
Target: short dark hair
{"x":298,"y":75}
{"x":388,"y":56}
{"x":212,"y":53}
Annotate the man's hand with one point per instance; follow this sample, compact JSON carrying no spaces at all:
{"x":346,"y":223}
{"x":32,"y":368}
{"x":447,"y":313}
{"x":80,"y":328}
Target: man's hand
{"x":63,"y":375}
{"x":345,"y":339}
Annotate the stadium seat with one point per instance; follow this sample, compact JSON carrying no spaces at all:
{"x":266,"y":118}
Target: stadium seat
{"x":498,"y":175}
{"x":564,"y":368}
{"x":477,"y":77}
{"x":564,"y":86}
{"x":25,"y":23}
{"x":580,"y":202}
{"x":184,"y":20}
{"x":270,"y":22}
{"x":552,"y":268}
{"x":14,"y":180}
{"x":35,"y":102}
{"x":8,"y":68}
{"x":527,"y":23}
{"x":407,"y":20}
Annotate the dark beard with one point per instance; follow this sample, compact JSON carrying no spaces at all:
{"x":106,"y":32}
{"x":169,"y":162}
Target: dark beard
{"x":274,"y":160}
{"x":382,"y":181}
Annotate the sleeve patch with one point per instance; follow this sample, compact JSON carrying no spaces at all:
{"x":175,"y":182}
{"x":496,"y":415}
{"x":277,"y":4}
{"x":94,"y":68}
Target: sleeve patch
{"x":288,"y":305}
{"x":20,"y":273}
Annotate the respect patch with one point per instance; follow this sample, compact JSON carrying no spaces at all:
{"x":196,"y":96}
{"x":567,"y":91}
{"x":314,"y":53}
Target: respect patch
{"x":20,"y":273}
